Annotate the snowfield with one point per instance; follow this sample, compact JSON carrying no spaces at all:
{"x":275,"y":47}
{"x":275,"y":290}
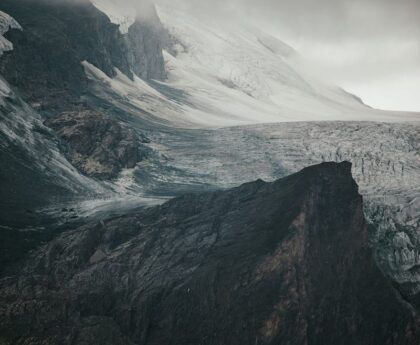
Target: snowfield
{"x":225,"y":75}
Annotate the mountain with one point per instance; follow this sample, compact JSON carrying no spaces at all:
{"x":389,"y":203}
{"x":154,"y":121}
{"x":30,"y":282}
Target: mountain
{"x":47,"y":128}
{"x":233,"y":74}
{"x":104,"y":109}
{"x":60,"y":35}
{"x":267,"y":263}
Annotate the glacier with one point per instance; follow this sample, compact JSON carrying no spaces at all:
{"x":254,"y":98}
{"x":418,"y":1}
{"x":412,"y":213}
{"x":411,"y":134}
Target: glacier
{"x":238,"y":106}
{"x":238,"y":75}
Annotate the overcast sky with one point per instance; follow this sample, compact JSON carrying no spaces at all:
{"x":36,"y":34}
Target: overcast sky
{"x":369,"y":47}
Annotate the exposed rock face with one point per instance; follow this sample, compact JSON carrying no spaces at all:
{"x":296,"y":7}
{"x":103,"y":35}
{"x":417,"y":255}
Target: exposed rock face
{"x":46,"y":68}
{"x":58,"y":35}
{"x":144,"y":46}
{"x":33,"y":172}
{"x":97,"y":145}
{"x":264,"y":263}
{"x":385,"y":164}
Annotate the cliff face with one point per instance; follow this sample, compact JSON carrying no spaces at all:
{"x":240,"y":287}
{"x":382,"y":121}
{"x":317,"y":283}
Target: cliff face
{"x":45,"y":67}
{"x":96,"y":145}
{"x":45,"y":64}
{"x":145,"y":38}
{"x":264,"y":263}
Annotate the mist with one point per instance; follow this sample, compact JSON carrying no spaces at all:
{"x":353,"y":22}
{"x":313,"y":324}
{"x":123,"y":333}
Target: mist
{"x":369,"y":47}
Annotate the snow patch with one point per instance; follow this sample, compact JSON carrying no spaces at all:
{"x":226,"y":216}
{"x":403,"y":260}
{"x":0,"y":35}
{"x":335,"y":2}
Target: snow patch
{"x":6,"y":23}
{"x":123,"y":16}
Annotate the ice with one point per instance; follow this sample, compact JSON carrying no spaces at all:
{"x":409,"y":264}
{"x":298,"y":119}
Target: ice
{"x":121,"y":15}
{"x":227,"y":75}
{"x":235,"y":74}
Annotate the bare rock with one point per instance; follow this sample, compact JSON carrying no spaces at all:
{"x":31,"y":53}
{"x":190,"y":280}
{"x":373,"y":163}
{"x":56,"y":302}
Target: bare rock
{"x":264,"y":263}
{"x":97,"y":145}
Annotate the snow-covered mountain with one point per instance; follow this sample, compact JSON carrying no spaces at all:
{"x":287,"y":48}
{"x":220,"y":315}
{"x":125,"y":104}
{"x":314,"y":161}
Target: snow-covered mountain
{"x":230,"y":104}
{"x":223,"y":75}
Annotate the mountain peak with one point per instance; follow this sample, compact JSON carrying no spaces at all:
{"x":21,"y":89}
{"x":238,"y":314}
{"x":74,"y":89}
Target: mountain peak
{"x":282,"y":262}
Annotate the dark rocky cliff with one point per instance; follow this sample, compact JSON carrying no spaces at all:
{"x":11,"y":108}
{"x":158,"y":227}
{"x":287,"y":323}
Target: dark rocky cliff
{"x":45,"y":64}
{"x":264,"y":263}
{"x":96,"y":145}
{"x":45,"y":68}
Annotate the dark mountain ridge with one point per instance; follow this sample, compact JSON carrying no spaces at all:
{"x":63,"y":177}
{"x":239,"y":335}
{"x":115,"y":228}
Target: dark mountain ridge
{"x":265,"y":263}
{"x":57,"y":36}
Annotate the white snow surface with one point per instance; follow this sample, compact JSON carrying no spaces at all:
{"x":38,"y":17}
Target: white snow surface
{"x":6,"y":23}
{"x":236,"y":74}
{"x":223,"y":75}
{"x":117,"y":13}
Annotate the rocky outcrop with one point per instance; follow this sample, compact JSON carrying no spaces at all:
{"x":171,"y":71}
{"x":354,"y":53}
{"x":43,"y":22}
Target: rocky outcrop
{"x":45,"y":67}
{"x":58,"y":36}
{"x":98,"y":145}
{"x":145,"y":38}
{"x":264,"y":263}
{"x":385,"y":163}
{"x":33,"y":172}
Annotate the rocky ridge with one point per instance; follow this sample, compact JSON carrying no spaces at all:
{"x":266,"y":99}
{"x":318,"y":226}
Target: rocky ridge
{"x":267,"y":263}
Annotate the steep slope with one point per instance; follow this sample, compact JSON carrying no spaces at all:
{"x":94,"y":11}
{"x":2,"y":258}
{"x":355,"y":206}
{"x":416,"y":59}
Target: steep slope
{"x":34,"y":172}
{"x":386,"y":165}
{"x":58,"y":36}
{"x":266,"y":263}
{"x":232,"y":74}
{"x":238,"y":74}
{"x":43,"y":83}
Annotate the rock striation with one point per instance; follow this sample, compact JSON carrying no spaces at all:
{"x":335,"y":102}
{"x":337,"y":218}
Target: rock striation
{"x":265,"y":263}
{"x":97,"y":145}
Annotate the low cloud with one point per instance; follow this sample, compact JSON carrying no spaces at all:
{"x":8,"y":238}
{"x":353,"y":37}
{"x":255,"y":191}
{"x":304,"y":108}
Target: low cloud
{"x":358,"y":44}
